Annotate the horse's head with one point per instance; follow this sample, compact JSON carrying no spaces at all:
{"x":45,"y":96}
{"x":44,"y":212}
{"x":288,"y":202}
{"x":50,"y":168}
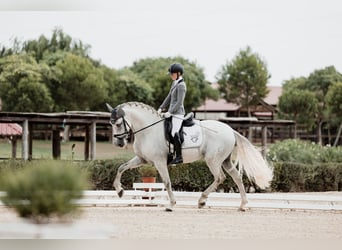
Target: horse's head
{"x":120,"y":125}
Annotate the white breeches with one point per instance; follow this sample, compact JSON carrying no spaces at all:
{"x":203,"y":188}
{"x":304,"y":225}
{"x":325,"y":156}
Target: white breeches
{"x":176,"y":124}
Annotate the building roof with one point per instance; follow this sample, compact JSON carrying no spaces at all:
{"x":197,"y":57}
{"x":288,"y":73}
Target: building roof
{"x":219,"y":105}
{"x":10,"y":129}
{"x":222,"y":105}
{"x":273,"y":96}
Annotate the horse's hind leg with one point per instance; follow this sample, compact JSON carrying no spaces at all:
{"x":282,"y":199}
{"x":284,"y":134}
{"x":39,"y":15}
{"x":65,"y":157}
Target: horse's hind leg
{"x":234,"y":173}
{"x":219,"y":177}
{"x":133,"y":163}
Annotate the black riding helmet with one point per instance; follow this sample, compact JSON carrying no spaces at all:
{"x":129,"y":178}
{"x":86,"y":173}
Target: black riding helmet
{"x":176,"y":68}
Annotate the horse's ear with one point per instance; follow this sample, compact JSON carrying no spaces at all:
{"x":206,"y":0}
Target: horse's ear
{"x":109,"y":107}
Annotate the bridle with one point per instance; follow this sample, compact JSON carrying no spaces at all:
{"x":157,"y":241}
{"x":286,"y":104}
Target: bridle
{"x":125,"y":123}
{"x":117,"y":114}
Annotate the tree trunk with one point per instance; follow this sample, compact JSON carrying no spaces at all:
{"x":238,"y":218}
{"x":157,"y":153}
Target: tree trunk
{"x":295,"y":126}
{"x":319,"y":133}
{"x":338,"y":135}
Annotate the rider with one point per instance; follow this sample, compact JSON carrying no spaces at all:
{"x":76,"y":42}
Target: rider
{"x":174,"y":106}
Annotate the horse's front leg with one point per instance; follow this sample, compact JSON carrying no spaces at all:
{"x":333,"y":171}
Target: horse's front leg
{"x":133,"y":163}
{"x":164,"y":174}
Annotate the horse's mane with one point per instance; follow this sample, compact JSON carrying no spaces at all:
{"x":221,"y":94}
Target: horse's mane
{"x":139,"y":105}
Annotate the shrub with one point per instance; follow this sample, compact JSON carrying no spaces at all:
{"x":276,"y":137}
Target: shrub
{"x":184,"y":177}
{"x":297,"y":177}
{"x":196,"y":176}
{"x":147,"y":171}
{"x":293,"y":150}
{"x":102,"y":174}
{"x":10,"y":165}
{"x":44,"y":189}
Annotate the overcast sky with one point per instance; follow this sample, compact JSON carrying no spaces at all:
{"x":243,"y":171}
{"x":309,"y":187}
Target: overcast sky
{"x":294,"y":37}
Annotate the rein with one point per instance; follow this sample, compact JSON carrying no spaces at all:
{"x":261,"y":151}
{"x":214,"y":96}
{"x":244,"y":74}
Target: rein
{"x":148,"y":126}
{"x":119,"y":136}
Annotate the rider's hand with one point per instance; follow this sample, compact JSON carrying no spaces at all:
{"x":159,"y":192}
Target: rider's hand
{"x":167,"y":115}
{"x":159,"y":111}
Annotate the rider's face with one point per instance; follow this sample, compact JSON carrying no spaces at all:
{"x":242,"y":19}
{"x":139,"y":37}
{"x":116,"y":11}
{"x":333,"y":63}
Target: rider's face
{"x":174,"y":76}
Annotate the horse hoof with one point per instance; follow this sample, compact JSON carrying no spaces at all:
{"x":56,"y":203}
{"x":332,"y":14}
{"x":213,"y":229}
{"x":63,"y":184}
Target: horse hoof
{"x":120,"y":193}
{"x":242,"y":209}
{"x":168,"y":209}
{"x":201,"y":204}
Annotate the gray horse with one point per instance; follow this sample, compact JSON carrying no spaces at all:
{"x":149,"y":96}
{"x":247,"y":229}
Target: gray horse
{"x":223,"y":149}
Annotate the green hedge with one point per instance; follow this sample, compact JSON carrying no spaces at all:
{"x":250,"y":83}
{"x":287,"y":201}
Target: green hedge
{"x":288,"y":177}
{"x":197,"y":177}
{"x":297,"y":177}
{"x":103,"y":172}
{"x":184,"y":177}
{"x":299,"y":151}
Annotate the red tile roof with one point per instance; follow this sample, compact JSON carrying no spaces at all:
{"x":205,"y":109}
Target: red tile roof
{"x":219,"y":105}
{"x":222,"y":105}
{"x":10,"y":129}
{"x":273,"y":96}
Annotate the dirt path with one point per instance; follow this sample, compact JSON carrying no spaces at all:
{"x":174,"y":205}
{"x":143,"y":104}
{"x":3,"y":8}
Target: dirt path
{"x":191,"y":223}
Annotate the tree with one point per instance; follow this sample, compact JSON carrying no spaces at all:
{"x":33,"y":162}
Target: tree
{"x":116,"y":89}
{"x":135,"y":88}
{"x":154,"y":72}
{"x":14,"y":49}
{"x":319,"y":82}
{"x":75,"y":83}
{"x":59,"y":41}
{"x":334,"y":102}
{"x":244,"y":80}
{"x":298,"y":105}
{"x":21,"y":86}
{"x":295,"y":84}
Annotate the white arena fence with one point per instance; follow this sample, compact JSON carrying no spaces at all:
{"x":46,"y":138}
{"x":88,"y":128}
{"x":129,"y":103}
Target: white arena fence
{"x":154,"y":194}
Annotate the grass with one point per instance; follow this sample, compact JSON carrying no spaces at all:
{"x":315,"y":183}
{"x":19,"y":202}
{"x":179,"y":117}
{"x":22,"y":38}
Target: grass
{"x":42,"y":149}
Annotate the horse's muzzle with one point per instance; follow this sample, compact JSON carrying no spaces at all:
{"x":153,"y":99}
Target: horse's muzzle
{"x":120,"y":142}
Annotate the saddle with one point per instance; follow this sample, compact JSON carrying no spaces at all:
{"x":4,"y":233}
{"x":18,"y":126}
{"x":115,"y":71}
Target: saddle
{"x":187,"y":122}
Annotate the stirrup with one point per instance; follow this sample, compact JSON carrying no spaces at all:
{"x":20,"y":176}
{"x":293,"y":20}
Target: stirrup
{"x":169,"y":158}
{"x":177,"y":160}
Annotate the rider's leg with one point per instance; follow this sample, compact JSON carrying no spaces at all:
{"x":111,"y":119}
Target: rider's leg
{"x":178,"y":148}
{"x":176,"y":125}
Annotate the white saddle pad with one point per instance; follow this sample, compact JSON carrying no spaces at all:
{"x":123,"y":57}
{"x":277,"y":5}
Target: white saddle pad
{"x":192,"y":135}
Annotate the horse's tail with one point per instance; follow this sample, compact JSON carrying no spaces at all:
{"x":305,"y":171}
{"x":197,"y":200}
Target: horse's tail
{"x":249,"y":159}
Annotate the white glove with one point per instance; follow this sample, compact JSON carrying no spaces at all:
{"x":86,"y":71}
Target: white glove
{"x":167,"y":115}
{"x":159,"y":111}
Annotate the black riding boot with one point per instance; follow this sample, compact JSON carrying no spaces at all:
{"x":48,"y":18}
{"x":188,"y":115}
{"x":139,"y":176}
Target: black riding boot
{"x":178,"y":148}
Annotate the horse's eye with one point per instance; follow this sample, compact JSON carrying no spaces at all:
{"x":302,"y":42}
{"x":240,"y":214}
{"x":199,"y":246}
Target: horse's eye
{"x":118,"y":125}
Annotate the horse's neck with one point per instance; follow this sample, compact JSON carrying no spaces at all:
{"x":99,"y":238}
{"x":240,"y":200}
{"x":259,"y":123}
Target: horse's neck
{"x":140,"y":118}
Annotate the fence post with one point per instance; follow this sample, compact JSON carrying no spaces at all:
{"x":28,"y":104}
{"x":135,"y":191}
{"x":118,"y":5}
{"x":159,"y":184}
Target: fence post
{"x":86,"y":143}
{"x":24,"y":150}
{"x":264,"y":141}
{"x":93,"y":141}
{"x":56,"y":144}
